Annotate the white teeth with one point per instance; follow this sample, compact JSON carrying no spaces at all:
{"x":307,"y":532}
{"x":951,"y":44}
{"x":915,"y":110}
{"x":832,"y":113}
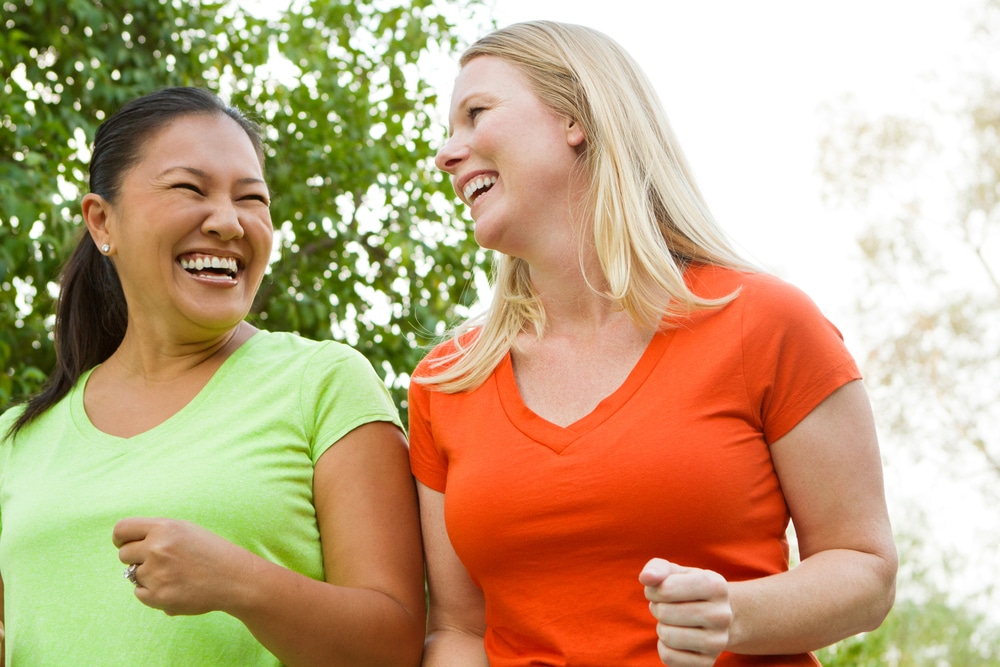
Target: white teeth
{"x":227,"y":264}
{"x":477,"y":184}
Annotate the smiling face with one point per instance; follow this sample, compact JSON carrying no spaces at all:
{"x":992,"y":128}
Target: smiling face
{"x":190,"y":233}
{"x":512,"y":160}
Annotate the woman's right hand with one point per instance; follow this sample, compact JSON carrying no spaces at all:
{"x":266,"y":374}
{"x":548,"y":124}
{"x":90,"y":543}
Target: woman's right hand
{"x":692,"y":610}
{"x":180,"y":566}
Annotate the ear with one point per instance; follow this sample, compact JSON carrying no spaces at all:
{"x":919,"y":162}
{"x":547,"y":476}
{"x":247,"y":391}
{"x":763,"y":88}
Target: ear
{"x":574,"y":132}
{"x":96,"y":213}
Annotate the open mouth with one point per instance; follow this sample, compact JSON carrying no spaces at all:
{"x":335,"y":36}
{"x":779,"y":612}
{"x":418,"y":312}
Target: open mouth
{"x":210,"y":266}
{"x":477,"y":187}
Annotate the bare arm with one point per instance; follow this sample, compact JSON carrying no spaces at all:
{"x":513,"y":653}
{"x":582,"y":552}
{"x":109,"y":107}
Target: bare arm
{"x":831,"y":475}
{"x":457,"y":616}
{"x":370,"y":611}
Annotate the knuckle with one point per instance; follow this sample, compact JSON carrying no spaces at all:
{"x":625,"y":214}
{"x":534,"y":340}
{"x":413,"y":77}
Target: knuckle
{"x":721,"y":617}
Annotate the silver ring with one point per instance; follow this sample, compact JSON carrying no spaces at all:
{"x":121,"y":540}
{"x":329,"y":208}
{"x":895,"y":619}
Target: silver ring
{"x":130,"y":573}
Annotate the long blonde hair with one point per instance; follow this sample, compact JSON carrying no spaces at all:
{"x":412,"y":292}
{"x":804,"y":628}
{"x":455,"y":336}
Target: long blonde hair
{"x":649,"y":218}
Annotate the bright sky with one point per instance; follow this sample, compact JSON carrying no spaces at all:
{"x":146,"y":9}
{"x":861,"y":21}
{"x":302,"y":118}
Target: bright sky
{"x":743,"y":84}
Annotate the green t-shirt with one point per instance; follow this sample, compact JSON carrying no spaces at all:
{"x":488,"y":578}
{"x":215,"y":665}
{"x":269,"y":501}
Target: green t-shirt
{"x":237,"y":460}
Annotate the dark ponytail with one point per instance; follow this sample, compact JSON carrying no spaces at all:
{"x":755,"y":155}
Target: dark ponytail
{"x":92,"y":315}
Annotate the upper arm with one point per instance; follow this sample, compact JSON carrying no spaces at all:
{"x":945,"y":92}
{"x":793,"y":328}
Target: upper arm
{"x":366,"y":506}
{"x":830,"y":471}
{"x":456,"y":602}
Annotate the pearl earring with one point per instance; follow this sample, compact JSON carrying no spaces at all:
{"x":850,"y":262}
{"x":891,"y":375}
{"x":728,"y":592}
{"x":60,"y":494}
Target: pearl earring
{"x":105,"y":248}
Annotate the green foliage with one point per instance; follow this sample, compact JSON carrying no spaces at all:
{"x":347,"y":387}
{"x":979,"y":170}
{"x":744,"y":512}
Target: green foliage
{"x":371,"y":250}
{"x":929,"y":633}
{"x":930,"y":625}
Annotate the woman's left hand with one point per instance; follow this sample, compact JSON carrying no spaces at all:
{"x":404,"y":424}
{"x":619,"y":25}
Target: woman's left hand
{"x":182,"y":568}
{"x":692,"y":611}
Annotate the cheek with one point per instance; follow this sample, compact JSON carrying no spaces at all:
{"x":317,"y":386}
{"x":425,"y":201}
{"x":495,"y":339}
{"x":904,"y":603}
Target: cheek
{"x":492,"y":137}
{"x":262,"y":237}
{"x":257,"y":225}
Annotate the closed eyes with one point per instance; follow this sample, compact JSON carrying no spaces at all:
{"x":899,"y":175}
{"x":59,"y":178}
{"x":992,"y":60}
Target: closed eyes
{"x":187,"y":186}
{"x":255,"y":197}
{"x":263,"y":199}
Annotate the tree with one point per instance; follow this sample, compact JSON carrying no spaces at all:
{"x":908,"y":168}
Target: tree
{"x":927,"y":185}
{"x":930,"y":305}
{"x":369,"y":247}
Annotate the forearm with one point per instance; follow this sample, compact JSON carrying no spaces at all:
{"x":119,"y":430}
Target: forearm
{"x":305,"y":622}
{"x":454,"y":648}
{"x":829,"y":596}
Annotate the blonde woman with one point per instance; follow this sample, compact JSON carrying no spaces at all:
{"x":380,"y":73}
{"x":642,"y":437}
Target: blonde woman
{"x":609,"y":458}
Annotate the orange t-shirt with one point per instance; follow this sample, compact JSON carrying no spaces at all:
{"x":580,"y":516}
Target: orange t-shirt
{"x":555,"y":524}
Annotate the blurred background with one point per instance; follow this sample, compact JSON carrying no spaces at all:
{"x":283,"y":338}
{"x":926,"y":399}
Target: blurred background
{"x":852,"y":148}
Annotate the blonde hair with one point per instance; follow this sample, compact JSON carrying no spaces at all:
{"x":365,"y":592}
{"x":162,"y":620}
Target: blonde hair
{"x":649,"y":218}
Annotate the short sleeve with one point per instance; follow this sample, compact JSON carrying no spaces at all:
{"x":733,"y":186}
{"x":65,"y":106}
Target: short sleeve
{"x":794,"y":358}
{"x":341,"y":392}
{"x":427,"y":463}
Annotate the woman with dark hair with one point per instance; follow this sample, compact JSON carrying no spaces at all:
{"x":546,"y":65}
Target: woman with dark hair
{"x":255,"y":484}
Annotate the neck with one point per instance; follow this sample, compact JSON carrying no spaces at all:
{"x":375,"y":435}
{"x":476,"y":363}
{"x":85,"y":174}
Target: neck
{"x":150,"y":358}
{"x":573,"y":306}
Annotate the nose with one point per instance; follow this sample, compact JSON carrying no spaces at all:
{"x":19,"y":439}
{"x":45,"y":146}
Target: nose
{"x":451,"y":154}
{"x":223,"y":222}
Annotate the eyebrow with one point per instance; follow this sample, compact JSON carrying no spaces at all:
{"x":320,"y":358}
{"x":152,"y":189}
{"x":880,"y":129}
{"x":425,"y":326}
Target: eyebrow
{"x":249,"y":180}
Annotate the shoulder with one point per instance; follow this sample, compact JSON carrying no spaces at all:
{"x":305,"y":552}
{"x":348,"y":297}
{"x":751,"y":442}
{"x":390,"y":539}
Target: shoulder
{"x":303,"y":365}
{"x":445,"y":353}
{"x":712,"y":281}
{"x":319,"y":375}
{"x":758,"y":294}
{"x":280,"y":347}
{"x":7,"y":419}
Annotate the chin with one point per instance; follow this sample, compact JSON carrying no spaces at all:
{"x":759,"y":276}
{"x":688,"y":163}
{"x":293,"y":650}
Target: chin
{"x":221,"y":319}
{"x":485,"y":239}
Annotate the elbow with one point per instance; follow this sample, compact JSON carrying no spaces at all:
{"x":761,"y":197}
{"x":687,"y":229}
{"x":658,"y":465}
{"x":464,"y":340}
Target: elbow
{"x":411,"y":642}
{"x":399,"y":643}
{"x":883,"y":589}
{"x":880,"y":609}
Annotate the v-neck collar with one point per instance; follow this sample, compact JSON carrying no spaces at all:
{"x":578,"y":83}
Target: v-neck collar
{"x":558,"y":438}
{"x":157,"y":433}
